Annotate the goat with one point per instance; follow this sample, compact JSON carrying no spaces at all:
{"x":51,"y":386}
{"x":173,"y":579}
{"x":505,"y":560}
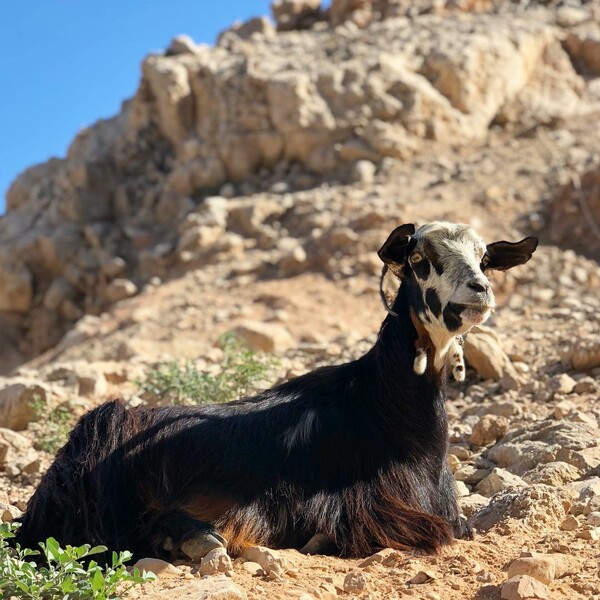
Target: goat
{"x":346,"y":459}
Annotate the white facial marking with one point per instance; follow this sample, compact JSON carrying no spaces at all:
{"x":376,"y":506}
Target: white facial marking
{"x":457,"y":251}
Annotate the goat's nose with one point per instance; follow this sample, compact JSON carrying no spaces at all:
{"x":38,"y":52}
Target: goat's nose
{"x":476,"y":285}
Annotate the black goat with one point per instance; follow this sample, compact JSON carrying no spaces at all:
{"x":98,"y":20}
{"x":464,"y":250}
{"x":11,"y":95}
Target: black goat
{"x":347,"y":459}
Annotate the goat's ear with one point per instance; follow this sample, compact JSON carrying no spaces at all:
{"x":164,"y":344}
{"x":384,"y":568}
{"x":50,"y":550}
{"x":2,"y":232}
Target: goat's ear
{"x":502,"y":256}
{"x":393,"y":253}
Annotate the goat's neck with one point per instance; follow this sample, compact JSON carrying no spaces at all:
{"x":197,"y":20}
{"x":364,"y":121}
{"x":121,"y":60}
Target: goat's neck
{"x":397,"y":341}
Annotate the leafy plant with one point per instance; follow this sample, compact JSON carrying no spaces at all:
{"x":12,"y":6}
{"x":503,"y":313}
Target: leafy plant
{"x":54,"y":425}
{"x":67,"y":573}
{"x":182,"y":383}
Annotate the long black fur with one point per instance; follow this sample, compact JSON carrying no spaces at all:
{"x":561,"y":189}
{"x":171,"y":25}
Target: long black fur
{"x":356,"y":452}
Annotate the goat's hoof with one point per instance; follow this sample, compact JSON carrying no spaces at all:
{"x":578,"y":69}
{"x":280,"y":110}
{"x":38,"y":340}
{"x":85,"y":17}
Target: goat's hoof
{"x":197,"y":547}
{"x":462,"y":530}
{"x":319,"y":544}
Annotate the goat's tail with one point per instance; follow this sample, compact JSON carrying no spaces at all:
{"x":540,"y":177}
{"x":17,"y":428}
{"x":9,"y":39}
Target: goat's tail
{"x":81,"y":497}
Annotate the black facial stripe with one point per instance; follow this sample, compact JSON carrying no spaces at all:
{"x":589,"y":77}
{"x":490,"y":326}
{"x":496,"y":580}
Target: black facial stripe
{"x":422,"y":269}
{"x":433,"y":301}
{"x":433,"y":256}
{"x":415,"y":296}
{"x":451,"y":315}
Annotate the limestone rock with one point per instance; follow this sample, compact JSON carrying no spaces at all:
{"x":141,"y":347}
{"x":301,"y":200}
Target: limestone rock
{"x":295,"y":14}
{"x":264,"y":337}
{"x":216,"y":561}
{"x":161,"y":568}
{"x":271,"y":562}
{"x":541,"y":568}
{"x":484,"y":353}
{"x":119,"y":289}
{"x":488,"y":430}
{"x":355,"y":582}
{"x":523,"y":587}
{"x":16,"y":287}
{"x":218,"y":587}
{"x":536,"y":507}
{"x":472,"y":504}
{"x":8,"y":513}
{"x":546,"y":441}
{"x":562,"y":384}
{"x":17,"y":404}
{"x":499,"y":480}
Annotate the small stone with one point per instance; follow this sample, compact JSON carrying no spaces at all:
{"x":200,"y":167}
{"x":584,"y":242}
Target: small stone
{"x":264,"y":337}
{"x":8,"y":513}
{"x":541,"y":568}
{"x":386,"y":557}
{"x":355,"y":582}
{"x":216,"y":561}
{"x":488,"y":430}
{"x":498,"y":480}
{"x":160,"y":568}
{"x":119,"y":289}
{"x":461,"y":488}
{"x":423,"y":577}
{"x":570,"y":523}
{"x":197,"y":548}
{"x":592,"y":534}
{"x":253,"y":568}
{"x":271,"y":562}
{"x":587,"y":385}
{"x":469,"y":505}
{"x":523,"y":587}
{"x":18,"y":405}
{"x":593,"y":519}
{"x":561,"y":384}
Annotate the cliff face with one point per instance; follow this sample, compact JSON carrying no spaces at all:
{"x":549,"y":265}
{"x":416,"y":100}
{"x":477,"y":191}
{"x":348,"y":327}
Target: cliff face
{"x":360,"y":85}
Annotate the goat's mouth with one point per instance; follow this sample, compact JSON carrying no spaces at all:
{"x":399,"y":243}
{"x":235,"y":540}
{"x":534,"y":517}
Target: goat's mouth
{"x":477,"y":313}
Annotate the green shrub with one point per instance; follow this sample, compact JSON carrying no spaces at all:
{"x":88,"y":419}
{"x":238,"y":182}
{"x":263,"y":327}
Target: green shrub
{"x":182,"y":383}
{"x":54,"y":426}
{"x":64,"y":573}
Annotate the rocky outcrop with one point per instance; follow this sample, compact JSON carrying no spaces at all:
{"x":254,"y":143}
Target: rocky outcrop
{"x":260,"y":111}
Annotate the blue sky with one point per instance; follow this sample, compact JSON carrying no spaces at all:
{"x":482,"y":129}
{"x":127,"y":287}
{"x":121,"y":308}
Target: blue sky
{"x":66,"y":63}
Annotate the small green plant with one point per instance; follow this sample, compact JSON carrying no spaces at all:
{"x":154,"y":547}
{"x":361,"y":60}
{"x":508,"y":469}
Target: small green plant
{"x":54,"y":425}
{"x":182,"y":383}
{"x":66,"y":573}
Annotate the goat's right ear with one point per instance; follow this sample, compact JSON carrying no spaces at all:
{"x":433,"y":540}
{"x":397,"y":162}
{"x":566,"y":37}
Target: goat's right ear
{"x":394,"y":252}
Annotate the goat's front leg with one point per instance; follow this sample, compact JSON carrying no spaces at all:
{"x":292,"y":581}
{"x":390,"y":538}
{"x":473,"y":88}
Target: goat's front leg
{"x":448,"y":506}
{"x":457,"y":358}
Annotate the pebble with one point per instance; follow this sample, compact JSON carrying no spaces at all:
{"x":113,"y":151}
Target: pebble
{"x":355,"y":582}
{"x":561,"y":384}
{"x":523,"y":587}
{"x":161,"y":568}
{"x":216,"y":561}
{"x":488,"y":430}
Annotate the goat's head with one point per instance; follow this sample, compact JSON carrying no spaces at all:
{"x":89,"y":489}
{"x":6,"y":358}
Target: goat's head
{"x":444,"y":267}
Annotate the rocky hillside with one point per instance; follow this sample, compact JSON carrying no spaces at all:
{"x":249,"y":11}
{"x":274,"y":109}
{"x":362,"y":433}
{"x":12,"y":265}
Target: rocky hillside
{"x":246,"y":187}
{"x":171,"y":181}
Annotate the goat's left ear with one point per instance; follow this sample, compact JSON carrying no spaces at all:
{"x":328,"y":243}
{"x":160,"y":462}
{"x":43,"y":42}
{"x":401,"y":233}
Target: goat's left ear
{"x":502,"y":256}
{"x":395,"y":250}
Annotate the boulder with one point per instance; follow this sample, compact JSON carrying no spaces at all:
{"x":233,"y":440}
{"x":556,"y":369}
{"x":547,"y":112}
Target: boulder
{"x":18,"y":404}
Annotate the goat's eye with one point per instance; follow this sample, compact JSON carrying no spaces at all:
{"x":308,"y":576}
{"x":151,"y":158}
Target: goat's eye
{"x":485,"y":259}
{"x":416,"y":258}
